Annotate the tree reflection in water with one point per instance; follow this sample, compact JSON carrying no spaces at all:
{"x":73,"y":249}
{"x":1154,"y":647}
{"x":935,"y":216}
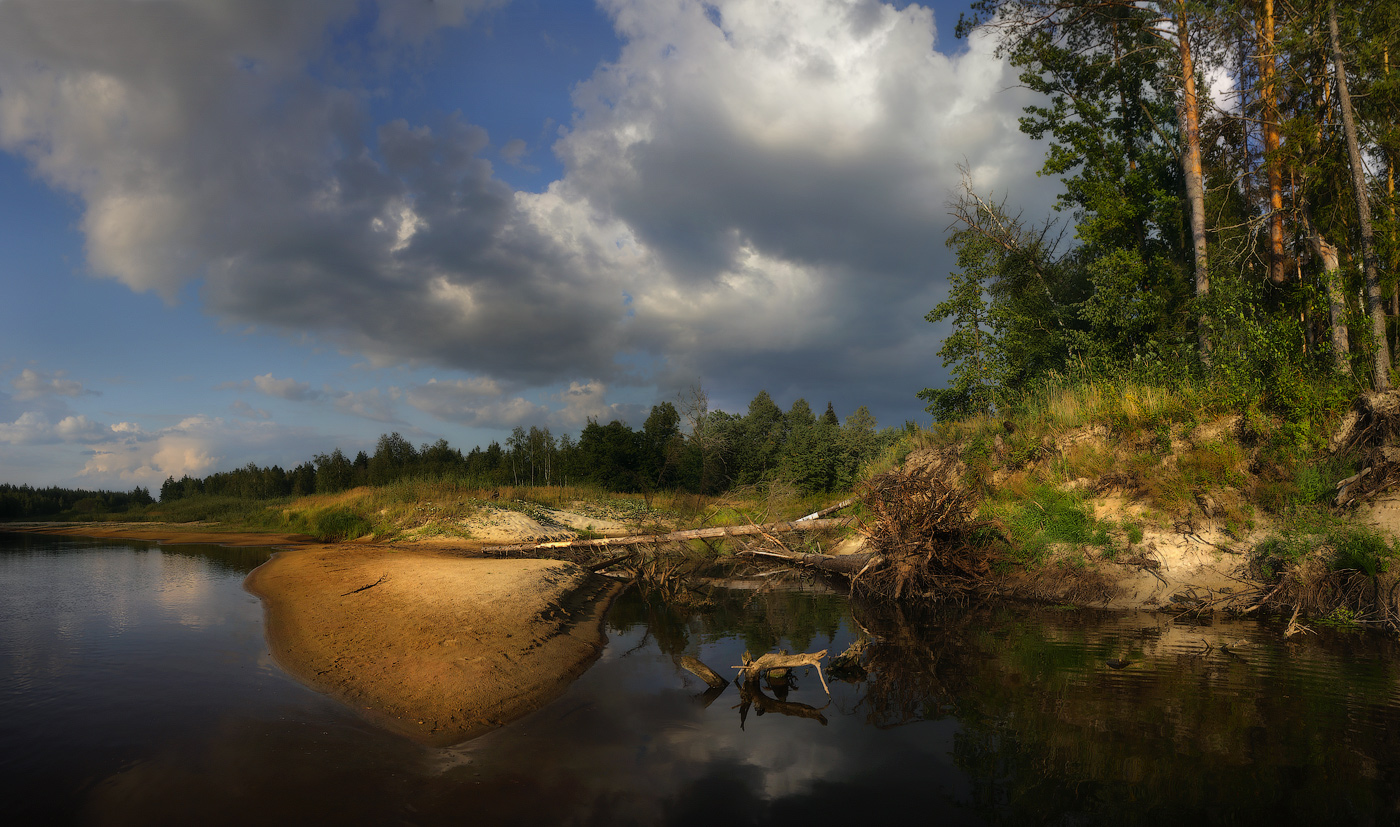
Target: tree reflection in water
{"x":1077,"y":715}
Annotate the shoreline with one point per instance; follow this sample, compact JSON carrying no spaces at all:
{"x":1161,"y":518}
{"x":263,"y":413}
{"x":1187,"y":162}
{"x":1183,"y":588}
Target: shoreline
{"x":426,"y":643}
{"x":159,"y":533}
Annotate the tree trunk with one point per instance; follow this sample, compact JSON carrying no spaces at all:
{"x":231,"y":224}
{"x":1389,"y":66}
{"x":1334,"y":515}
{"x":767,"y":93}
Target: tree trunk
{"x":1268,"y":68}
{"x":1336,"y":298}
{"x":676,"y":536}
{"x":847,"y":565}
{"x":1195,"y":178}
{"x":1381,"y":381}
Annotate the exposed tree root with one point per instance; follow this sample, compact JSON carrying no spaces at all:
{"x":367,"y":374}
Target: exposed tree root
{"x":1371,"y":429}
{"x":921,"y":528}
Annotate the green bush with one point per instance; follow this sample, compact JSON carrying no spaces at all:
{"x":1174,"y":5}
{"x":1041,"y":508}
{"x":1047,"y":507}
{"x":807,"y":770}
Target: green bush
{"x":1361,"y":549}
{"x":339,"y":524}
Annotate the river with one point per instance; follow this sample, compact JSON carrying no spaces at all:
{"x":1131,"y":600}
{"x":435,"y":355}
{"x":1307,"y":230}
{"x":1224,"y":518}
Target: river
{"x":136,"y":687}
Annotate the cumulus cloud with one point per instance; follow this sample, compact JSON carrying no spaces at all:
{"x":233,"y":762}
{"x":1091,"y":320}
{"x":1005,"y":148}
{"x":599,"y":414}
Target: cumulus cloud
{"x":245,"y":410}
{"x":31,"y":384}
{"x":478,"y":401}
{"x":482,"y":402}
{"x":284,"y":388}
{"x":36,"y":428}
{"x":751,"y":190}
{"x":196,"y":445}
{"x":372,"y":404}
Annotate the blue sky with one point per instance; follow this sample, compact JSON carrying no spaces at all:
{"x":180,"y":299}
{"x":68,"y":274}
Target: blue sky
{"x":236,"y":231}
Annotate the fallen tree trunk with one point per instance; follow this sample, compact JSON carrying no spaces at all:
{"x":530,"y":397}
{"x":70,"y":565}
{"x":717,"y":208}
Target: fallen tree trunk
{"x":845,"y":564}
{"x":828,"y":510}
{"x":703,"y":672}
{"x":675,"y":536}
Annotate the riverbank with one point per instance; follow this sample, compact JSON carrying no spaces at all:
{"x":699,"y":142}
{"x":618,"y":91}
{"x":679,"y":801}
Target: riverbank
{"x":1141,"y":500}
{"x":429,"y":644}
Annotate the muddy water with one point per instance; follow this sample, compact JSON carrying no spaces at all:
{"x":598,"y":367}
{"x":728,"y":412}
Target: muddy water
{"x":136,"y":688}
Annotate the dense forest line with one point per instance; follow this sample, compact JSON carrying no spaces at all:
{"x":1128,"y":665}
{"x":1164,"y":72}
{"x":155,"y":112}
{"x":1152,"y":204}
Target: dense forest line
{"x":1228,"y":167}
{"x":691,"y":448}
{"x":22,"y":502}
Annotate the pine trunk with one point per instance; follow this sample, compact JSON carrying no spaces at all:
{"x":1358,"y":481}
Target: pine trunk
{"x":1268,"y":68}
{"x":1381,"y":352}
{"x":1195,"y":179}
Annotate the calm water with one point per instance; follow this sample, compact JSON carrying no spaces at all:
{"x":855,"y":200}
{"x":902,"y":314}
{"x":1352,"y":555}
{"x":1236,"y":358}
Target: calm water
{"x":136,"y":688}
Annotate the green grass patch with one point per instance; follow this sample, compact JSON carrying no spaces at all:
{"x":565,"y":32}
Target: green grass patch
{"x":1342,"y":547}
{"x":338,"y":523}
{"x":1044,"y":516}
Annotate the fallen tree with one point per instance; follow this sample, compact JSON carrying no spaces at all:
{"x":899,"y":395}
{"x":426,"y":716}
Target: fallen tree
{"x":922,"y":539}
{"x":804,"y":524}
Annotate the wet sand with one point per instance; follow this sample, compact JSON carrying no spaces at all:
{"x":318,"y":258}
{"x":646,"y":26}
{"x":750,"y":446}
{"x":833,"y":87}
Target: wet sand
{"x":432,"y":645}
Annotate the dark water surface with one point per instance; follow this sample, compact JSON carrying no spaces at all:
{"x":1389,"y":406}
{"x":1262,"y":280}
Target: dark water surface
{"x":136,"y":688}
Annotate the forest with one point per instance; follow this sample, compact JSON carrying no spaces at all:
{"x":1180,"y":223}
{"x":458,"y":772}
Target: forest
{"x":689,"y":448}
{"x":1227,"y":218}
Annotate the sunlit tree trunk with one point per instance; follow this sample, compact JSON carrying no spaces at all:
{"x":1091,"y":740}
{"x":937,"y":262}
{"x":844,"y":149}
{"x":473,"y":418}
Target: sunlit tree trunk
{"x":1381,"y":381}
{"x":1268,"y":68}
{"x":1191,"y":167}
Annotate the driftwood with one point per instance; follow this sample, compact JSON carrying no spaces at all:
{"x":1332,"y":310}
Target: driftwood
{"x":752,"y":669}
{"x":845,"y":564}
{"x":705,"y":673}
{"x":832,"y":509}
{"x":675,"y":536}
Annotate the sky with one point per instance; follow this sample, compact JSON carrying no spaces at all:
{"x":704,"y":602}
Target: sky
{"x":239,"y":231}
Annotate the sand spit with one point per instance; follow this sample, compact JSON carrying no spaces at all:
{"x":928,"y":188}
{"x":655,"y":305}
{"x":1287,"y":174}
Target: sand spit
{"x":432,"y":645}
{"x":436,"y":647}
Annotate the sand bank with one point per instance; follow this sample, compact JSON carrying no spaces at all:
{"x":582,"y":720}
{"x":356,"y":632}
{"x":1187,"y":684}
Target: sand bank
{"x":436,"y":646}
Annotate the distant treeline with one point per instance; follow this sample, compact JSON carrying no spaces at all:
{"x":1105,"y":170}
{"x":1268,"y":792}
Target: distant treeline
{"x":20,"y":502}
{"x":692,"y":449}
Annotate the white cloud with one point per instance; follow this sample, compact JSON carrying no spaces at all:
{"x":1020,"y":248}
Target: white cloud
{"x":36,"y":428}
{"x":31,"y":384}
{"x":244,"y":409}
{"x":757,"y":197}
{"x":371,"y":404}
{"x":196,"y":445}
{"x":478,"y":401}
{"x":582,"y":401}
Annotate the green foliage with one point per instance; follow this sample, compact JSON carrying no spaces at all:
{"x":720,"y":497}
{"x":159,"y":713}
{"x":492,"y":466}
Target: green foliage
{"x":1342,"y":547}
{"x":1121,"y":301}
{"x":1361,"y":549}
{"x":336,"y":524}
{"x":21,"y":502}
{"x":1042,"y":516}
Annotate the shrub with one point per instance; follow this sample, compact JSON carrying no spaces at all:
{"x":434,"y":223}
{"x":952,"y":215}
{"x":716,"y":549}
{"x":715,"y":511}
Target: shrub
{"x":335,"y":524}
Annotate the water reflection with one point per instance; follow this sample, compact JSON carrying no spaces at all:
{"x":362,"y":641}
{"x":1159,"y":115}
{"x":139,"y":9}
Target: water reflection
{"x":117,"y":710}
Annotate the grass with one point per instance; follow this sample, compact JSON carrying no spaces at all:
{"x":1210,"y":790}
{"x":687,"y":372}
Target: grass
{"x":1340,"y":546}
{"x":1040,"y":516}
{"x":437,"y":508}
